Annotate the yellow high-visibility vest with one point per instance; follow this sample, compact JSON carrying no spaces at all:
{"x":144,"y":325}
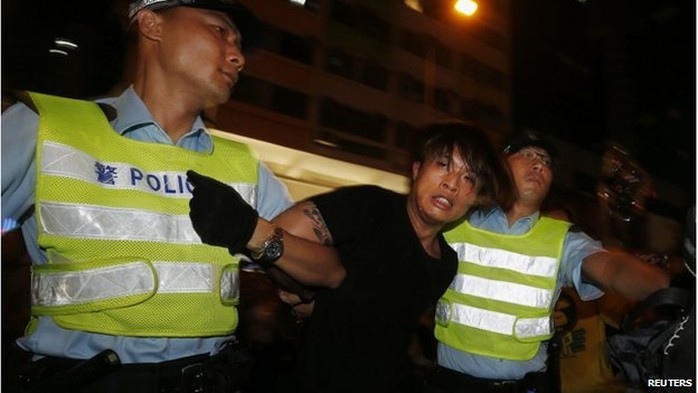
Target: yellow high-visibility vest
{"x":500,"y":302}
{"x":113,"y":217}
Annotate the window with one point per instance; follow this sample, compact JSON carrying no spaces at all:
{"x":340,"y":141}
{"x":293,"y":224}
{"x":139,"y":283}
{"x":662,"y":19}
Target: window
{"x":375,"y":75}
{"x":468,"y":109}
{"x":488,"y":115}
{"x":289,"y":45}
{"x":289,"y":102}
{"x":296,"y":47}
{"x":340,"y":63}
{"x":356,"y":68}
{"x":481,"y":72}
{"x":410,"y":88}
{"x":343,"y":13}
{"x":489,"y":37}
{"x":413,"y":43}
{"x":250,"y":90}
{"x":373,"y":26}
{"x":350,"y":146}
{"x":361,"y":19}
{"x":352,"y":121}
{"x":406,"y":136}
{"x":442,"y":55}
{"x":442,"y":101}
{"x":263,"y":94}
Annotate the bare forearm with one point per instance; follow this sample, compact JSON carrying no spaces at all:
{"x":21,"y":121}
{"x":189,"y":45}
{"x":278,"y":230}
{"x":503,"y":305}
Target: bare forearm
{"x":311,"y":263}
{"x":638,"y":281}
{"x":625,"y":274}
{"x":307,"y":257}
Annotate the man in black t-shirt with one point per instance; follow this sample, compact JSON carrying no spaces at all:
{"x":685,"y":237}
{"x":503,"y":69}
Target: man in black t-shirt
{"x":358,"y":336}
{"x":387,"y":264}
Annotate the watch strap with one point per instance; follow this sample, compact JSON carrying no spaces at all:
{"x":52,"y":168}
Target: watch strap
{"x":262,"y":255}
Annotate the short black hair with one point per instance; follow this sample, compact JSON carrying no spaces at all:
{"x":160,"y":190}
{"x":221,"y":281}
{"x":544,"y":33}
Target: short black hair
{"x":485,"y":163}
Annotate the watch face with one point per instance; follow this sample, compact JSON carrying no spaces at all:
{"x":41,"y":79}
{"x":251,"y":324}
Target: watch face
{"x":273,"y":250}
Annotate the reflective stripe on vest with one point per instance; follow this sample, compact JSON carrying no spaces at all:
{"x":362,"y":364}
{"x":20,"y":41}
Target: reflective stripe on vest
{"x":492,"y":321}
{"x":66,"y":288}
{"x":500,"y":301}
{"x":503,"y":291}
{"x":64,"y":219}
{"x":113,"y":217}
{"x":527,"y":264}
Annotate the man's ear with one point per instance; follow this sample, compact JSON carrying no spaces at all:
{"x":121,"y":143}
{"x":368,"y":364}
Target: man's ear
{"x":149,"y":24}
{"x":415,"y":169}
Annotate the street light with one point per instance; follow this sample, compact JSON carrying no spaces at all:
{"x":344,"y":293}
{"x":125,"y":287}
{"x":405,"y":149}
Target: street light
{"x":467,"y":7}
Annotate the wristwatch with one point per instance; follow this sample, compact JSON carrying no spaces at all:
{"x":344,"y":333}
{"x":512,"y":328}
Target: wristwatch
{"x":271,"y":249}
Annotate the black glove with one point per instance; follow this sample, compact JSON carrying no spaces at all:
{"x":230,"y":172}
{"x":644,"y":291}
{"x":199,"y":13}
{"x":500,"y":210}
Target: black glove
{"x":219,"y":214}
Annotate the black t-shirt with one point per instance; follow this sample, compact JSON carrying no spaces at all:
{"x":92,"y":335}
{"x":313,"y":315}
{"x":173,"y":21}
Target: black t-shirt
{"x":358,"y":336}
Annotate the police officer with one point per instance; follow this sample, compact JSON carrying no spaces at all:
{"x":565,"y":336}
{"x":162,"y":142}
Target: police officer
{"x":117,"y":266}
{"x":493,"y":323}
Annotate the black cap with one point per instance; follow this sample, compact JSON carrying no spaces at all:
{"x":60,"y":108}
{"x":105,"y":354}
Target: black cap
{"x":247,"y":23}
{"x":518,"y":142}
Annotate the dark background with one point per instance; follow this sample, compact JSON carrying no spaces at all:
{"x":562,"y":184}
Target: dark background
{"x":590,"y":72}
{"x":611,"y":70}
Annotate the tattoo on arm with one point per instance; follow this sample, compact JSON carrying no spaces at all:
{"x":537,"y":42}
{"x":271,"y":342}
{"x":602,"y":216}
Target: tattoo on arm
{"x":319,"y":226}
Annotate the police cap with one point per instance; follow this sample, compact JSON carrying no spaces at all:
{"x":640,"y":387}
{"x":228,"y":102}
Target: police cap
{"x":526,"y":139}
{"x":246,"y":22}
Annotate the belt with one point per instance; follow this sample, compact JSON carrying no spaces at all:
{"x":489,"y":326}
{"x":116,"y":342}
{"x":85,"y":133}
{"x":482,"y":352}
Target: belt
{"x":447,"y":380}
{"x":226,"y":371}
{"x":452,"y":381}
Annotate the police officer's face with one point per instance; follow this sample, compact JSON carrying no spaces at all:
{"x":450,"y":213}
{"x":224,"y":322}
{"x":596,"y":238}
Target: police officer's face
{"x":201,"y":50}
{"x":443,"y":188}
{"x":532,"y":173}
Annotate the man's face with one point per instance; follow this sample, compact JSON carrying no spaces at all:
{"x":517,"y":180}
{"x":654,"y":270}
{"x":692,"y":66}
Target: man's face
{"x":532,"y":173}
{"x":443,"y":189}
{"x":201,"y":52}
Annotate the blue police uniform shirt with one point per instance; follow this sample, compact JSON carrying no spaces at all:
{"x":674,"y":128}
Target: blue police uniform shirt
{"x":576,"y":247}
{"x":19,"y":135}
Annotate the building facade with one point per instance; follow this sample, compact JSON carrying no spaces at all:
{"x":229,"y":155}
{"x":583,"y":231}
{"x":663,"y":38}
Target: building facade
{"x":354,"y":80}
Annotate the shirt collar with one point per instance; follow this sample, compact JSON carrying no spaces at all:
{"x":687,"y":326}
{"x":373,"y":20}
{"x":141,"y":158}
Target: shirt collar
{"x":527,"y":221}
{"x":133,"y":114}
